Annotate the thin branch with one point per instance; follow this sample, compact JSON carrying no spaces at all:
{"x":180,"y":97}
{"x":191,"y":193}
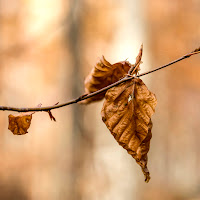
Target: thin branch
{"x":83,"y":97}
{"x":173,"y":62}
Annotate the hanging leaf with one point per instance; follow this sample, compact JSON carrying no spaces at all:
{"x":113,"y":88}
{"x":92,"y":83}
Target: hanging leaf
{"x":127,"y":112}
{"x":19,"y":124}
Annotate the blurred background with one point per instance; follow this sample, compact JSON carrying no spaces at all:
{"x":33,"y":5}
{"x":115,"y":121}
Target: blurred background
{"x":47,"y":48}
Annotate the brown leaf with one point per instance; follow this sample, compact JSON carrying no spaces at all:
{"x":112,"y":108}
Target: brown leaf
{"x":19,"y":124}
{"x":127,"y":112}
{"x":102,"y":75}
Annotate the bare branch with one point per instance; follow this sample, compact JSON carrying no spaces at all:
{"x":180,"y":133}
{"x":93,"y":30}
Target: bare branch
{"x":86,"y":96}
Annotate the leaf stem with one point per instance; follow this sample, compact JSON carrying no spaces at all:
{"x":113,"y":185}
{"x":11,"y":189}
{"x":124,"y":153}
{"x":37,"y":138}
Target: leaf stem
{"x":83,"y":97}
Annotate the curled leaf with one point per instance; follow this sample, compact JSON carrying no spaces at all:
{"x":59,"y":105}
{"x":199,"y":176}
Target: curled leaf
{"x":102,"y":75}
{"x":19,"y":124}
{"x":127,"y":112}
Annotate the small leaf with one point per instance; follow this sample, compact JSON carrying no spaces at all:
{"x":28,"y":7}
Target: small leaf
{"x":127,"y":112}
{"x":19,"y":124}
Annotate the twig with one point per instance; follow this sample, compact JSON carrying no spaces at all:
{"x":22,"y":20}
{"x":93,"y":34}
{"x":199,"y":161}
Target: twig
{"x":83,"y":97}
{"x":173,"y":62}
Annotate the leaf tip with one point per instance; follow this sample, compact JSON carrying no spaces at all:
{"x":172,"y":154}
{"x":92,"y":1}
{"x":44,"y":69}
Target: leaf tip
{"x":147,"y":177}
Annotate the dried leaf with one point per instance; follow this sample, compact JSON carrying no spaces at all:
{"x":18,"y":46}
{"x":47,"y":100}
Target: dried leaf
{"x":102,"y":75}
{"x":19,"y":124}
{"x":127,"y":112}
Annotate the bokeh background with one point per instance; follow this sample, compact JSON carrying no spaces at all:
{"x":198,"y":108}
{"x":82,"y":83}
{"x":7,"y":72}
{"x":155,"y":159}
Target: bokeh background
{"x":47,"y":48}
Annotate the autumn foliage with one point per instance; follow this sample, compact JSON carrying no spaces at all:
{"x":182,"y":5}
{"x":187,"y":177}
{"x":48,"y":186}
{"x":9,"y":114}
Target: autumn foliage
{"x":127,"y":108}
{"x":126,"y":111}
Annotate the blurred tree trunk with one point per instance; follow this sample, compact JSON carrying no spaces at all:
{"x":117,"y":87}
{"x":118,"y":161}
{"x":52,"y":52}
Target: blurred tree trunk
{"x":77,"y":111}
{"x":81,"y":140}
